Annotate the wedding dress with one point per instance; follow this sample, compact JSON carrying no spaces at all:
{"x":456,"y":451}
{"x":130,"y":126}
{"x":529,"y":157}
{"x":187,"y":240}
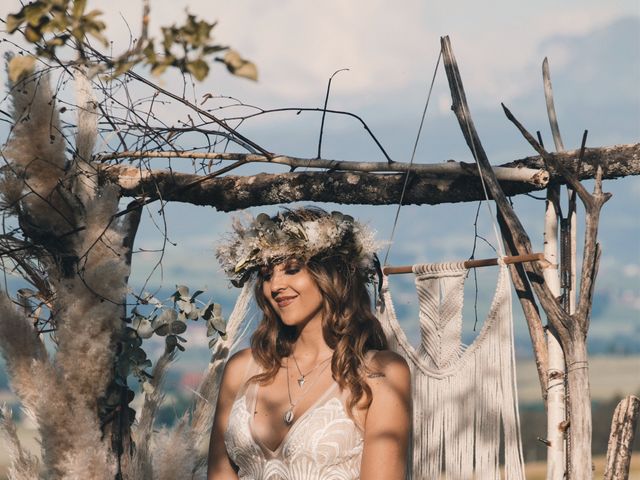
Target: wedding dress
{"x":323,"y":443}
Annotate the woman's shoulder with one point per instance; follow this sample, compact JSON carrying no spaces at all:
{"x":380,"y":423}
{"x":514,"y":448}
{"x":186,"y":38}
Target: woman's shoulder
{"x":386,"y":361}
{"x":240,"y":361}
{"x":388,"y":367}
{"x":237,"y":367}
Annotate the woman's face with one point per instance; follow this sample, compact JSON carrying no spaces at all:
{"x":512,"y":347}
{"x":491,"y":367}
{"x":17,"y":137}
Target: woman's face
{"x":293,"y":293}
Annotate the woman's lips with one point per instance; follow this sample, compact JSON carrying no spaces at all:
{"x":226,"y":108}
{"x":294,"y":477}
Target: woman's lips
{"x":284,"y":301}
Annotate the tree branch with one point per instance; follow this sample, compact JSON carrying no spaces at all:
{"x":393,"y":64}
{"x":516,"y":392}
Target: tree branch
{"x":237,"y":192}
{"x":538,"y":177}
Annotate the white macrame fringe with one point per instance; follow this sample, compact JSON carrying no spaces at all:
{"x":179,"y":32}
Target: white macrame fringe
{"x":464,"y":399}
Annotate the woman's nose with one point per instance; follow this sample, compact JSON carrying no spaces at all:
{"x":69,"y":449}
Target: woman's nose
{"x":278,"y":281}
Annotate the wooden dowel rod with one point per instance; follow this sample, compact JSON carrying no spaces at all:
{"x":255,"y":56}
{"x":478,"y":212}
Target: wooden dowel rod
{"x":486,"y":262}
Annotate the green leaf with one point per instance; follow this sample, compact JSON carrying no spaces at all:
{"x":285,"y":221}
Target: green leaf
{"x":159,"y":68}
{"x":198,"y":68}
{"x":93,"y":14}
{"x":239,"y":66}
{"x":13,"y":22}
{"x":95,"y":30}
{"x":58,"y":41}
{"x":149,"y":52}
{"x":123,"y":67}
{"x":20,"y":67}
{"x":32,"y":34}
{"x":34,"y":12}
{"x":78,"y":8}
{"x":210,"y":49}
{"x":169,"y":37}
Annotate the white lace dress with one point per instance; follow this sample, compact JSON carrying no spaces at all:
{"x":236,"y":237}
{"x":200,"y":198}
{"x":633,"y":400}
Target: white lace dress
{"x":322,"y":444}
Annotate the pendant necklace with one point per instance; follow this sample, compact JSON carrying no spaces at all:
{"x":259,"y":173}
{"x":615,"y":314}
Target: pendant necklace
{"x":289,"y":416}
{"x":301,"y":378}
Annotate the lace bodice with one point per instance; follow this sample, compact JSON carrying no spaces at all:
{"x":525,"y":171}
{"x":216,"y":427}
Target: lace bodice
{"x":322,"y":444}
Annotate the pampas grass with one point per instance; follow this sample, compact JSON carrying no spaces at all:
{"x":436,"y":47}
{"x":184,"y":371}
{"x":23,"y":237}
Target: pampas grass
{"x":24,"y":465}
{"x":23,"y":350}
{"x":65,"y":212}
{"x":36,"y":153}
{"x":87,"y":307}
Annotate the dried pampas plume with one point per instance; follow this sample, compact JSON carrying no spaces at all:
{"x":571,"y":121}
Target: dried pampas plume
{"x":36,"y":155}
{"x":24,"y":465}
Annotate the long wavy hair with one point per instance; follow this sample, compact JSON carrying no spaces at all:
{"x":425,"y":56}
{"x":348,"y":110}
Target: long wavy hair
{"x":349,"y":326}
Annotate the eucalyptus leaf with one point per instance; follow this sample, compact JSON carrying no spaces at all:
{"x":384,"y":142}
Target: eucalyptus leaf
{"x":178,"y":327}
{"x":207,"y":311}
{"x":167,"y":316}
{"x":138,"y":355}
{"x":163,"y":330}
{"x":149,"y":298}
{"x":142,"y":326}
{"x":26,"y":292}
{"x":183,"y":290}
{"x":195,"y":295}
{"x":184,"y":305}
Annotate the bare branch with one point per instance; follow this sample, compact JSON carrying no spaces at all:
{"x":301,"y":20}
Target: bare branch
{"x":569,"y":177}
{"x":538,"y":177}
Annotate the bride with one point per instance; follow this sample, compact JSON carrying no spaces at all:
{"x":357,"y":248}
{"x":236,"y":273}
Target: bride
{"x":317,"y":396}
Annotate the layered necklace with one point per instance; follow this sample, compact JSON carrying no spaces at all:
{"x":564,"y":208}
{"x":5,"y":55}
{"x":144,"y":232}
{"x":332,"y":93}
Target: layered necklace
{"x":289,"y":415}
{"x":301,"y":378}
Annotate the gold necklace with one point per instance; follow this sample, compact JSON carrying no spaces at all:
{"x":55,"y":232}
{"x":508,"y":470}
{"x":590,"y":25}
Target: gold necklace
{"x":301,"y":379}
{"x":289,"y":415}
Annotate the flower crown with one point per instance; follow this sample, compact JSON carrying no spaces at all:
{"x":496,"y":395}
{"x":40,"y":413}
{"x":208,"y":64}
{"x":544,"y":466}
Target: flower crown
{"x":295,"y":234}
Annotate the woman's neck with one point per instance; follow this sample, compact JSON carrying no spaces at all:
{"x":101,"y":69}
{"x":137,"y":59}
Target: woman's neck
{"x":310,"y":345}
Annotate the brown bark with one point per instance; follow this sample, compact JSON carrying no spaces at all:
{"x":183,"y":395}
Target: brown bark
{"x":623,"y":427}
{"x":230,"y":193}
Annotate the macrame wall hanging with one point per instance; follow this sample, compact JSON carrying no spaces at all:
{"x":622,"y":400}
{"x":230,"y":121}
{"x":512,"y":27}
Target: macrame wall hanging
{"x":465,"y":413}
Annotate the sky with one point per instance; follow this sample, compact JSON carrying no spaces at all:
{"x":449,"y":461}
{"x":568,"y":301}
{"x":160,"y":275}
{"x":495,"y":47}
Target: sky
{"x":390,"y":52}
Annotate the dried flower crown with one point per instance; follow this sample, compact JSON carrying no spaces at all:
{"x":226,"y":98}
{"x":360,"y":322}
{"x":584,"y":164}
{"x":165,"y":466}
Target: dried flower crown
{"x":295,"y":234}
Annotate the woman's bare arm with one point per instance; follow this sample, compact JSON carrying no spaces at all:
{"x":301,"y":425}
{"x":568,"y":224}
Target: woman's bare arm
{"x":387,"y":425}
{"x":219,"y":465}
